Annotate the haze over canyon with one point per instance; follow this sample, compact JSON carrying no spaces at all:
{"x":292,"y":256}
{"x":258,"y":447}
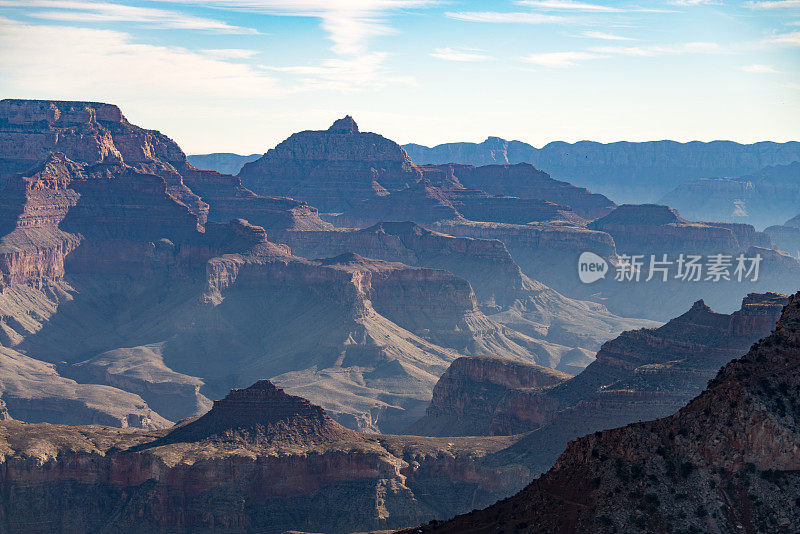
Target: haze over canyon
{"x":344,"y":334}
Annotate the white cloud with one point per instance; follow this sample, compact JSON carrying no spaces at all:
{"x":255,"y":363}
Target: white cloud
{"x":605,"y":36}
{"x":791,"y":39}
{"x":695,"y":2}
{"x":773,"y":4}
{"x":572,"y":59}
{"x":94,"y":12}
{"x":569,"y":5}
{"x":364,"y":71}
{"x":230,"y":53}
{"x":498,"y":17}
{"x":459,"y":54}
{"x":760,"y":69}
{"x":350,"y":24}
{"x":558,"y":59}
{"x":660,"y":50}
{"x":41,"y":61}
{"x":585,"y":7}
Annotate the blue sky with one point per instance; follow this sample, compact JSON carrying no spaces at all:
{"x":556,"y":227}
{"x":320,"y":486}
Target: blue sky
{"x":241,"y":75}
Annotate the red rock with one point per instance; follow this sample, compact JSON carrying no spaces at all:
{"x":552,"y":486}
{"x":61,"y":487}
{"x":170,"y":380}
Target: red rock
{"x":259,"y":460}
{"x":333,"y":168}
{"x":726,"y":458}
{"x":466,"y":397}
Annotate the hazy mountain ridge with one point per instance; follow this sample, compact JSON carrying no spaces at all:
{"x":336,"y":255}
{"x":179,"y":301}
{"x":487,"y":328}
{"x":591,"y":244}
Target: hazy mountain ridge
{"x":624,"y":171}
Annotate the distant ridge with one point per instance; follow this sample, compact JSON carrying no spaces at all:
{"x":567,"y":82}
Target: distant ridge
{"x":624,"y":171}
{"x":222,"y":162}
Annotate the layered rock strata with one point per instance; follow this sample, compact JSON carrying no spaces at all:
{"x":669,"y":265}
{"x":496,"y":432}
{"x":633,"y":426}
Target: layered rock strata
{"x":727,"y":461}
{"x":259,"y":460}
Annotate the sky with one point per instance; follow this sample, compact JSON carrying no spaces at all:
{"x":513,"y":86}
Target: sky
{"x":242,"y":75}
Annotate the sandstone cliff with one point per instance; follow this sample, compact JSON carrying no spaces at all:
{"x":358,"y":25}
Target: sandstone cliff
{"x":503,"y":292}
{"x":765,"y":198}
{"x":466,"y":396}
{"x":260,"y":460}
{"x":91,"y":133}
{"x":727,"y":461}
{"x":645,"y":374}
{"x":332,"y":168}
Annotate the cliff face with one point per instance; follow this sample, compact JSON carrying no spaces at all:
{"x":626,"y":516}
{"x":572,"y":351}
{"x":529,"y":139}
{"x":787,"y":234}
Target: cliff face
{"x":503,"y":292}
{"x":466,"y":397}
{"x":526,"y":181}
{"x":332,"y":168}
{"x":90,"y":133}
{"x":626,"y":172}
{"x":371,"y":179}
{"x":727,"y":461}
{"x":259,"y":460}
{"x":645,"y":374}
{"x":649,"y":227}
{"x":764,"y":198}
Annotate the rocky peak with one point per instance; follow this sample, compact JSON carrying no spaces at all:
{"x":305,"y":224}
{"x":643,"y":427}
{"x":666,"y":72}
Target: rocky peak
{"x":700,"y":305}
{"x":344,"y":125}
{"x":263,"y":412}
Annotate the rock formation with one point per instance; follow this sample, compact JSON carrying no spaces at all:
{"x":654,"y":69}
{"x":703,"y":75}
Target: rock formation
{"x":626,"y":172}
{"x":645,"y":374}
{"x":764,"y":198}
{"x":371,"y":178}
{"x":526,"y":181}
{"x":34,"y":391}
{"x":786,"y":236}
{"x":331,"y":169}
{"x":91,"y":133}
{"x":260,"y":460}
{"x":648,"y":228}
{"x":466,"y":397}
{"x":503,"y":292}
{"x":727,"y":461}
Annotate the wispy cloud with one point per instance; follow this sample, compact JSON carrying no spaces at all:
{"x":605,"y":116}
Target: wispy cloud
{"x":695,"y":2}
{"x":55,"y":61}
{"x":350,"y":24}
{"x":362,"y":71}
{"x":791,"y":39}
{"x":760,"y":69}
{"x":505,"y":17}
{"x":574,"y":58}
{"x":558,"y":59}
{"x":661,"y":50}
{"x":605,"y":36}
{"x":230,"y":53}
{"x":460,"y":54}
{"x":773,"y":4}
{"x":569,"y":5}
{"x":100,"y":12}
{"x":585,"y":7}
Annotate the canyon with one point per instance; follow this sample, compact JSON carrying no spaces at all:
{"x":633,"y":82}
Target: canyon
{"x":727,"y":461}
{"x":642,"y":374}
{"x":390,"y":341}
{"x":260,"y":459}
